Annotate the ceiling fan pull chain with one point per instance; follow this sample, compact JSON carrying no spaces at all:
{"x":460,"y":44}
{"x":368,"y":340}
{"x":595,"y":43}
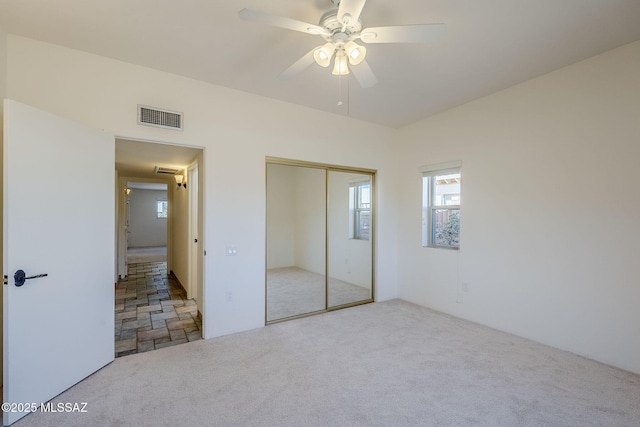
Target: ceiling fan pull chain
{"x":348,"y":98}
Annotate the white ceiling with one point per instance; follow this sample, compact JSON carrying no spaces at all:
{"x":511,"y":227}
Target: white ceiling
{"x":156,"y":186}
{"x":490,"y":45}
{"x":137,"y":159}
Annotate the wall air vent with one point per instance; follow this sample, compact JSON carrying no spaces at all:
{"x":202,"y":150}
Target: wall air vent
{"x":150,"y":116}
{"x":163,"y":170}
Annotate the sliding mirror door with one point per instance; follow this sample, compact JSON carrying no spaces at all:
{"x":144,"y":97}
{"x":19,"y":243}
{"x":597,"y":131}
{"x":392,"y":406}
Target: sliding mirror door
{"x":319,"y":238}
{"x":296,"y":240}
{"x":349,"y":237}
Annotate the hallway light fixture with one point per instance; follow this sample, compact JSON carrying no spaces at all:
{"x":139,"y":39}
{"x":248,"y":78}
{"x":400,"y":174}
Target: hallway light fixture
{"x":180,"y":181}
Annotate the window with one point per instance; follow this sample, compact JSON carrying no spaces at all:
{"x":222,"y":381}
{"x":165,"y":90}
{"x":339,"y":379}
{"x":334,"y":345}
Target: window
{"x":162,"y":208}
{"x":441,"y":205}
{"x":359,"y":210}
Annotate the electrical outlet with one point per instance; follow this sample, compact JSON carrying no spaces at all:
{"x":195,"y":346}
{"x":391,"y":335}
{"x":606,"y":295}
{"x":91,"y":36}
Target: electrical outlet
{"x":228,"y":296}
{"x":465,"y":287}
{"x":232,"y":250}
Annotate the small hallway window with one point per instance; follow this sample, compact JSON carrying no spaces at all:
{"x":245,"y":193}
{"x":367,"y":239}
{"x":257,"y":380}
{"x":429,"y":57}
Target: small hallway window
{"x":162,"y":208}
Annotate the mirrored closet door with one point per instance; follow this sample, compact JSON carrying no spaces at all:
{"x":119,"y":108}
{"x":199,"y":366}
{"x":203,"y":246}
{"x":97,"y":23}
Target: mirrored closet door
{"x":349,"y":236}
{"x":296,"y":229}
{"x":319,"y":238}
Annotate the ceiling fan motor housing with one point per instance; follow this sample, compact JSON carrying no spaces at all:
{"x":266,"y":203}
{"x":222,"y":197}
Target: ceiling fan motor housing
{"x":336,"y":32}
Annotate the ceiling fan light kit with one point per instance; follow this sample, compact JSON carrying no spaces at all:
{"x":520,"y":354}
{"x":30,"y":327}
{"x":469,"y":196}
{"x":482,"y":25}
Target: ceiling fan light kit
{"x":340,"y":28}
{"x":355,"y":52}
{"x":340,"y":67}
{"x":323,"y":54}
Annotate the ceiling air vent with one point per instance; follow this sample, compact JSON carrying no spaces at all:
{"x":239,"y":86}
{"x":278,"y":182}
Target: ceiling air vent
{"x":166,"y":170}
{"x":149,"y":116}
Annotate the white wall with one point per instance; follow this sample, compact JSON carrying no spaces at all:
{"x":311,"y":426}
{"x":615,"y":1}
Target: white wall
{"x":145,"y":228}
{"x":237,"y":131}
{"x":550,"y":234}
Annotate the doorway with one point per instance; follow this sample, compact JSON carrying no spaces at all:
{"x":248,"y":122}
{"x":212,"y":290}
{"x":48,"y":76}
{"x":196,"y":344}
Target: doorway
{"x":319,"y":238}
{"x":146,"y":219}
{"x":158,"y":295}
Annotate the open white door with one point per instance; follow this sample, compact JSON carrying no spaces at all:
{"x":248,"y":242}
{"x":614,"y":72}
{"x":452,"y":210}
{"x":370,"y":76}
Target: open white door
{"x":58,"y":220}
{"x":194,"y":245}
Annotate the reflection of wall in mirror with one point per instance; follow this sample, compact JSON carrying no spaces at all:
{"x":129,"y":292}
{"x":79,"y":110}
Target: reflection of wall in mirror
{"x":280,"y":216}
{"x":349,"y":258}
{"x":310,"y":223}
{"x":296,"y":217}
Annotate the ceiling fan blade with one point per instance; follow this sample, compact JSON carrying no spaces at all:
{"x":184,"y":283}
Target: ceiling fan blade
{"x":363,"y":74}
{"x":351,"y":9}
{"x":280,"y":21}
{"x":424,"y":33}
{"x":299,"y":66}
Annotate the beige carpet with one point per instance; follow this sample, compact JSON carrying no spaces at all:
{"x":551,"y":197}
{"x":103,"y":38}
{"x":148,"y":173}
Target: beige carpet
{"x":293,"y":291}
{"x":146,"y":254}
{"x":382,"y":364}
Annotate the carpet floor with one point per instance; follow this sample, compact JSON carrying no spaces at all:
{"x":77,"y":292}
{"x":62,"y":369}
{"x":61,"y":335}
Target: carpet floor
{"x":383,"y":364}
{"x":292,"y":291}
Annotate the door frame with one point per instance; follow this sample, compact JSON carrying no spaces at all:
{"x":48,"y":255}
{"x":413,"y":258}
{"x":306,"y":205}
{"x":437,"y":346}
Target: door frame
{"x":201,"y":163}
{"x":194,"y":231}
{"x":121,"y":220}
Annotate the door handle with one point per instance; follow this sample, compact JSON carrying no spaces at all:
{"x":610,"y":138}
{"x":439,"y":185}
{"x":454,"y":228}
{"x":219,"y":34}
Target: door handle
{"x":20,"y":277}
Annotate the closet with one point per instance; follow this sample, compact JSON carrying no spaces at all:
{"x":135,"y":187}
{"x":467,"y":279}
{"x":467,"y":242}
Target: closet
{"x":319,"y":249}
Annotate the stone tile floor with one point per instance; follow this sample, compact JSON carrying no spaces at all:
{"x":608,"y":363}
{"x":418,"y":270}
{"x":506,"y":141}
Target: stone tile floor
{"x":152,"y":311}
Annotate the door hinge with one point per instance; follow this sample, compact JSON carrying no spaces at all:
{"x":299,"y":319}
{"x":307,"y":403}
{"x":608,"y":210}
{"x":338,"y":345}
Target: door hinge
{"x":5,"y":280}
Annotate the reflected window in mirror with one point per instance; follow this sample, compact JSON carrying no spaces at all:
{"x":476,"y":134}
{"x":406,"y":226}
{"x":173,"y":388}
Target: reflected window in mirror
{"x":359,"y":210}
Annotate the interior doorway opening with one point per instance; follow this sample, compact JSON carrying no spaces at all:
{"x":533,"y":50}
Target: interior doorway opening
{"x":146,"y":222}
{"x":159,"y":292}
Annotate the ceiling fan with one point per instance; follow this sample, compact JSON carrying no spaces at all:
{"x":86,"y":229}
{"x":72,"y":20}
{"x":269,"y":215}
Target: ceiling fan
{"x":340,"y":28}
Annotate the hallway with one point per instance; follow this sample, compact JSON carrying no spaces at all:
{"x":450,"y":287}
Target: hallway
{"x":152,"y":311}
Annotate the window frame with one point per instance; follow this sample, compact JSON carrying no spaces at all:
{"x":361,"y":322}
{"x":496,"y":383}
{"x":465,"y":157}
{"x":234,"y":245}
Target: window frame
{"x":430,"y":208}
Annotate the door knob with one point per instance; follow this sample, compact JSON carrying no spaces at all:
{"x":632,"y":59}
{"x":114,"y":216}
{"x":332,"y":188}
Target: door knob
{"x":20,"y":277}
